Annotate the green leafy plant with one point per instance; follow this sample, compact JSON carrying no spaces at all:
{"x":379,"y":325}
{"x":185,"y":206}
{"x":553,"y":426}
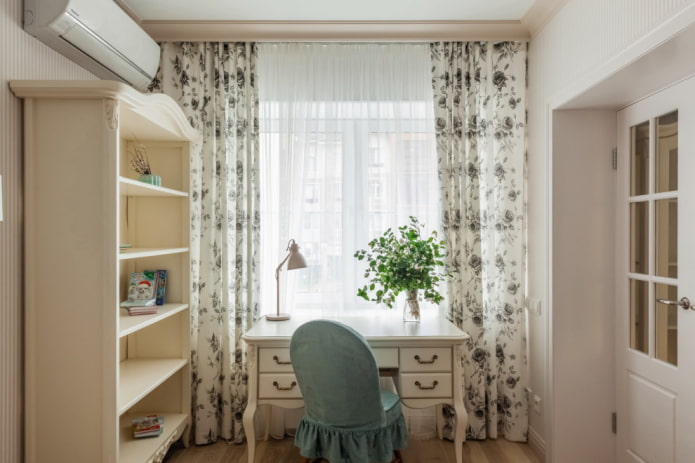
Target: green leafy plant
{"x":406,"y":262}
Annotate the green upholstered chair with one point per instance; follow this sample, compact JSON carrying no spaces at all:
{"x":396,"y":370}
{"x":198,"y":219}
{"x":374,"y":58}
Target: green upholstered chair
{"x":348,"y":418}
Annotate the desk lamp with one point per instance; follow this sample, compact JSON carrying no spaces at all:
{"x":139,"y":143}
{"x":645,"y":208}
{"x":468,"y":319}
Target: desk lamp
{"x":294,"y":260}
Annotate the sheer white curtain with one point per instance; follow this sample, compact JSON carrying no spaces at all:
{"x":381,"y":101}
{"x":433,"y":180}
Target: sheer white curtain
{"x":348,"y":149}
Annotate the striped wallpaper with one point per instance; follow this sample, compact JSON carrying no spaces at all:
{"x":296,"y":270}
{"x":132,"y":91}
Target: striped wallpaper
{"x":22,"y":57}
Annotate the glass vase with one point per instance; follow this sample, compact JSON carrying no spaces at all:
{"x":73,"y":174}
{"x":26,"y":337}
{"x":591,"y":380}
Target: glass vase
{"x":155,"y":180}
{"x":411,"y":309}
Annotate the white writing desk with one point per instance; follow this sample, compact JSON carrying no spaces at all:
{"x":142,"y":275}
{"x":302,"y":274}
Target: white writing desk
{"x":425,"y":356}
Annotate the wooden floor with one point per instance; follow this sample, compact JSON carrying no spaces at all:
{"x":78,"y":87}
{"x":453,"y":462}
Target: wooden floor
{"x":418,"y":451}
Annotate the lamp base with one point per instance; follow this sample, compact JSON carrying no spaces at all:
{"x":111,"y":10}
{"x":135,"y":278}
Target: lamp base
{"x":278,"y":318}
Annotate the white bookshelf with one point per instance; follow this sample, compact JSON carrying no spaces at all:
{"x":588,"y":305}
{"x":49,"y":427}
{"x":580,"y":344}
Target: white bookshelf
{"x":90,"y":367}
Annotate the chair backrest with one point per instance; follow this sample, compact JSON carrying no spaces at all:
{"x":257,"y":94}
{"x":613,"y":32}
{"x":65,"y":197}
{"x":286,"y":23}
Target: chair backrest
{"x":337,"y":375}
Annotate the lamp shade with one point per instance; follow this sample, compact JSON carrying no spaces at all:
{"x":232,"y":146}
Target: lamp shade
{"x":296,"y":259}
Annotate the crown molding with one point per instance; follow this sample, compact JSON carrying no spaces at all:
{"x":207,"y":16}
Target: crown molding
{"x":334,"y":31}
{"x":540,"y":14}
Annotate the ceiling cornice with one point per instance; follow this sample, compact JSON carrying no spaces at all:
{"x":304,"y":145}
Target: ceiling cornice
{"x":335,"y":31}
{"x":540,"y":14}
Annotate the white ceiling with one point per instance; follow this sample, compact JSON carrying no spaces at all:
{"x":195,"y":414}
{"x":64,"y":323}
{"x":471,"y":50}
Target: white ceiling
{"x":351,"y":20}
{"x":330,"y":10}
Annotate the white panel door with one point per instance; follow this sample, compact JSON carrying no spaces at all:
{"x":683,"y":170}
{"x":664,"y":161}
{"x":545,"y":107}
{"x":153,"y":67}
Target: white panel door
{"x":655,"y":276}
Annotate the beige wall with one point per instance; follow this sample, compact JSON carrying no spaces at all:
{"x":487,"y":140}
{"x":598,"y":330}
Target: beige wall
{"x":570,"y":54}
{"x":22,"y":57}
{"x":583,"y":231}
{"x":565,"y":55}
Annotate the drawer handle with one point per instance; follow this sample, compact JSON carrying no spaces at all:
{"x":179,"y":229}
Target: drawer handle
{"x":280,"y":362}
{"x":289,"y":388}
{"x":426,"y":388}
{"x":420,"y":361}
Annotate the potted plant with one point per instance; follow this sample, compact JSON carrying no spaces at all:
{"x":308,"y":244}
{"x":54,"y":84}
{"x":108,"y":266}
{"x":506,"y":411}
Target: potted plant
{"x":141,"y":164}
{"x":407,"y":263}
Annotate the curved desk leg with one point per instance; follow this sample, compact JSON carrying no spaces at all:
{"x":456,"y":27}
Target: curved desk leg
{"x":459,"y":408}
{"x":267,"y":416}
{"x":460,"y":432}
{"x":251,"y":405}
{"x":249,"y":414}
{"x":438,"y":421}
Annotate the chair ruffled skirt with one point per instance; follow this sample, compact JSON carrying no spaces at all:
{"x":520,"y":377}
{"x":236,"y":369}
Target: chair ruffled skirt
{"x":339,"y":445}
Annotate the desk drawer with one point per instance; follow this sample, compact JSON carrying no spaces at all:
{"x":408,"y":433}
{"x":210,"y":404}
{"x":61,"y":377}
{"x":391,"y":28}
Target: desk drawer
{"x":275,"y":359}
{"x":278,"y":386}
{"x":425,"y":385}
{"x":386,"y":357}
{"x":425,"y":359}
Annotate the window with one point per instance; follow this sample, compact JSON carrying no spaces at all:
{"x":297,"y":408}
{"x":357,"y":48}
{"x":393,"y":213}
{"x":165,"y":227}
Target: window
{"x":338,"y":171}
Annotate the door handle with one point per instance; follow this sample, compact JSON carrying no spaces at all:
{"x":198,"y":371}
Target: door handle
{"x":683,"y":303}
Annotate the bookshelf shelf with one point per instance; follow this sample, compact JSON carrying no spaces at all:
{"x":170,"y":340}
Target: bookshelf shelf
{"x":149,"y":448}
{"x":85,"y":357}
{"x":130,"y":187}
{"x":138,"y":377}
{"x":138,"y":253}
{"x":130,"y":324}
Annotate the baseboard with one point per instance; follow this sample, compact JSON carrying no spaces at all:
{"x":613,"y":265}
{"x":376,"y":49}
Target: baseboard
{"x":536,"y":442}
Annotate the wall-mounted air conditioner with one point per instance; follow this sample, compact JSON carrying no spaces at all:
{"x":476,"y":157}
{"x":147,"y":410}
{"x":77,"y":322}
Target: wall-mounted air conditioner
{"x":96,"y":34}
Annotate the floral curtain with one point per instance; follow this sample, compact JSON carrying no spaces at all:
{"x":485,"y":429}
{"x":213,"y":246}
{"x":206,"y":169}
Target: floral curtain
{"x":215,"y":84}
{"x":479,"y":93}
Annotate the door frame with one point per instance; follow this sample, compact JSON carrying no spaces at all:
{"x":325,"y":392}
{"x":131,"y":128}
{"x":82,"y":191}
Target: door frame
{"x":604,"y":90}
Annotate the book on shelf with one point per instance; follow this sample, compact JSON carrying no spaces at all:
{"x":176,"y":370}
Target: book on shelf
{"x":141,"y":289}
{"x":144,"y":310}
{"x":147,"y":426}
{"x":161,"y":287}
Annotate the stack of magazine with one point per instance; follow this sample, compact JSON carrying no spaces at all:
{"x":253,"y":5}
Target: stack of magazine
{"x":147,"y":426}
{"x":146,"y":291}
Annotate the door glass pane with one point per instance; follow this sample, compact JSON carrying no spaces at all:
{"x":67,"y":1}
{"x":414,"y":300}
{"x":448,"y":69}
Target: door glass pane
{"x":639,"y":159}
{"x":666,"y":236}
{"x":666,"y":324}
{"x":667,"y":152}
{"x":639,"y":237}
{"x":639,"y":315}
